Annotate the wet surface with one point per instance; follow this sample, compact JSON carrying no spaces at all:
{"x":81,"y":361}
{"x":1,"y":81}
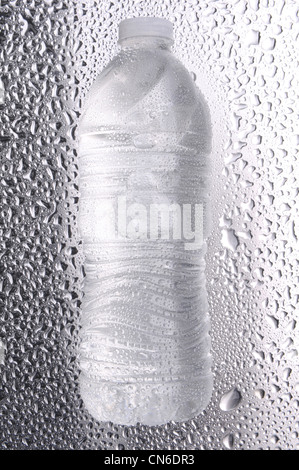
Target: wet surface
{"x":243,"y":57}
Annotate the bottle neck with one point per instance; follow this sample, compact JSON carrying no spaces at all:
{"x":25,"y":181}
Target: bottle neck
{"x":141,"y":42}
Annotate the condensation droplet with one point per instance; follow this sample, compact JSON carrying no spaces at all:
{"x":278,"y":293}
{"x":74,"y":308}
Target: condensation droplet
{"x":268,"y":44}
{"x":2,"y":92}
{"x":228,"y":441}
{"x":2,"y":352}
{"x":252,"y":38}
{"x":144,"y":141}
{"x":259,"y":393}
{"x":230,"y":400}
{"x":229,"y":239}
{"x":272,"y":321}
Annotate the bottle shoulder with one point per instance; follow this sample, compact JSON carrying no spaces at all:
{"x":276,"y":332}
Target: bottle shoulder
{"x":140,"y":69}
{"x":133,"y":70}
{"x":144,"y":88}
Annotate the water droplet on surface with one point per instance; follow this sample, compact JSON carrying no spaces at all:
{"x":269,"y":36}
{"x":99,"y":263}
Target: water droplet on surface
{"x":229,"y":239}
{"x":259,"y":393}
{"x":2,"y":352}
{"x":272,"y":321}
{"x":252,"y":38}
{"x":268,"y":44}
{"x":286,"y":373}
{"x":230,"y":400}
{"x":274,"y":439}
{"x":144,"y":141}
{"x":228,"y":441}
{"x":2,"y":92}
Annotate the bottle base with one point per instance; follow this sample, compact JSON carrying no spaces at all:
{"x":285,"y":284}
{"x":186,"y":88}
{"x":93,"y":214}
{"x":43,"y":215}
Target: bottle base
{"x":145,"y":403}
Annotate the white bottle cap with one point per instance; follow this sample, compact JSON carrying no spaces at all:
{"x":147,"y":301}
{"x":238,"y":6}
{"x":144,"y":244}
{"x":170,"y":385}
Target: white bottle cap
{"x":145,"y":26}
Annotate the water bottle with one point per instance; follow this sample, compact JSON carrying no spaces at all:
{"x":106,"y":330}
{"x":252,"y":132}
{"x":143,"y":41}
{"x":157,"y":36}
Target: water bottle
{"x":144,"y":142}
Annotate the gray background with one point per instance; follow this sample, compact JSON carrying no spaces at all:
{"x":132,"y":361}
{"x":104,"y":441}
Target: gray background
{"x":243,"y":54}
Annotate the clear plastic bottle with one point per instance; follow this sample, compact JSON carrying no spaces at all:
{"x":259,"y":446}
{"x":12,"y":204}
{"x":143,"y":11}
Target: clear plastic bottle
{"x":145,"y":136}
